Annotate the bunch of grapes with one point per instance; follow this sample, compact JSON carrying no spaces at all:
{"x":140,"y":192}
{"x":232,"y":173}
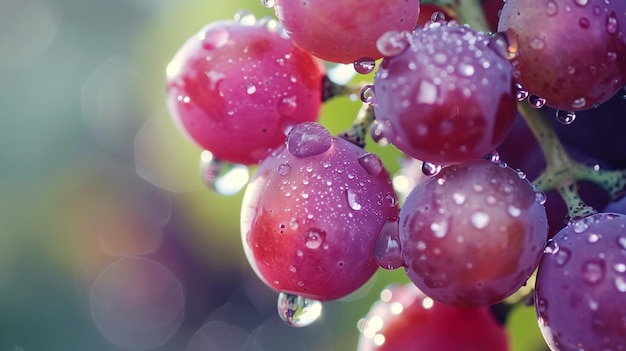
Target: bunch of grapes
{"x":477,"y":217}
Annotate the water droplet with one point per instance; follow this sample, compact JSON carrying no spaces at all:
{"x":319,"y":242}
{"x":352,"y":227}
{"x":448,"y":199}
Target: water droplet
{"x":620,"y":284}
{"x":268,"y":3}
{"x":387,"y":250}
{"x":308,"y":139}
{"x":611,"y":23}
{"x":513,"y":211}
{"x":430,"y":169}
{"x":392,"y":43}
{"x":371,"y":163}
{"x":552,"y":247}
{"x":551,"y":8}
{"x":377,"y":134}
{"x":537,"y":43}
{"x":222,"y":177}
{"x":458,"y":198}
{"x":313,"y":238}
{"x":562,"y":256}
{"x":593,"y":238}
{"x":581,"y":2}
{"x":251,"y":89}
{"x":283,"y":169}
{"x":579,"y":103}
{"x":287,"y":106}
{"x":493,"y":156}
{"x":520,"y":93}
{"x":593,"y":271}
{"x":619,"y":267}
{"x":439,"y":227}
{"x":611,"y":56}
{"x":245,"y":18}
{"x":364,"y":65}
{"x":466,"y":70}
{"x":354,"y":200}
{"x":540,"y":197}
{"x":480,"y":219}
{"x":622,"y":242}
{"x":542,"y":305}
{"x":298,"y":311}
{"x":367,"y":94}
{"x":583,"y":22}
{"x":565,"y":117}
{"x":536,"y":101}
{"x":580,"y":226}
{"x":505,"y":44}
{"x":438,"y":16}
{"x":214,"y":38}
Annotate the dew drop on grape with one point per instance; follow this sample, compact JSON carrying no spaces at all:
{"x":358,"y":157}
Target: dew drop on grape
{"x":430,"y":169}
{"x":579,"y":103}
{"x":308,"y":139}
{"x":593,"y":271}
{"x":387,"y":250}
{"x":536,"y":101}
{"x":565,"y":117}
{"x":520,"y":93}
{"x":505,"y":44}
{"x":392,"y":43}
{"x":371,"y":163}
{"x":551,"y":8}
{"x":364,"y":65}
{"x":314,"y":238}
{"x":611,"y":23}
{"x":377,"y":134}
{"x":354,"y":200}
{"x":222,"y":177}
{"x":298,"y":311}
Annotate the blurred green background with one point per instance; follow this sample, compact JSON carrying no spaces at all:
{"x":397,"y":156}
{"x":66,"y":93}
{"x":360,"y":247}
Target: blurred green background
{"x":108,"y":240}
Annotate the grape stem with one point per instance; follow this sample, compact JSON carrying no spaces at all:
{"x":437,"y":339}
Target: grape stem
{"x":331,"y":89}
{"x":360,"y":126}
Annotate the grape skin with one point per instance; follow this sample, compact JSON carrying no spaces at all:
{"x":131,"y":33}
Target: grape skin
{"x":581,"y":286}
{"x":448,"y":98}
{"x":312,"y":213}
{"x":472,"y":234}
{"x":573,"y":58}
{"x":411,"y":321}
{"x":344,"y":31}
{"x":245,"y":85}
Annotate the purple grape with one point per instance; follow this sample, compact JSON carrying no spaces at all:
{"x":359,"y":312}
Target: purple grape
{"x":312,"y":215}
{"x":447,"y":98}
{"x":581,"y":286}
{"x":472,"y":234}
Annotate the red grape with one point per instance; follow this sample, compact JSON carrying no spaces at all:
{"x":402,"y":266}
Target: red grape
{"x":472,"y":234}
{"x":407,"y":320}
{"x":581,"y":285}
{"x":447,"y":98}
{"x":244,"y":85}
{"x":312,"y":214}
{"x":344,"y":31}
{"x":571,"y":52}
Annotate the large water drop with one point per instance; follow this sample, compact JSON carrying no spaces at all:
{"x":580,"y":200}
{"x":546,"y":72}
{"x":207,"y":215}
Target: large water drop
{"x":308,"y":139}
{"x":371,"y":163}
{"x":387,"y":250}
{"x":364,"y":65}
{"x":298,"y":311}
{"x":222,"y":177}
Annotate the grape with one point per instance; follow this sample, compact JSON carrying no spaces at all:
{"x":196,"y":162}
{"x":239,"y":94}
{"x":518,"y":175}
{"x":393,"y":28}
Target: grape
{"x":312,"y":213}
{"x":404,"y":319}
{"x":571,"y":52}
{"x":472,"y":234}
{"x":447,"y":98}
{"x":344,"y":31}
{"x":244,"y":85}
{"x":581,"y":284}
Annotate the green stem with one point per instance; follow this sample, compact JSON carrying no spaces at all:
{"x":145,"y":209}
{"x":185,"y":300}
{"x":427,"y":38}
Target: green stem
{"x":360,"y":126}
{"x":471,"y":12}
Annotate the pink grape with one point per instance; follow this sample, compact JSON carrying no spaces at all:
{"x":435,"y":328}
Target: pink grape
{"x":236,"y":89}
{"x":404,"y":319}
{"x":472,"y":234}
{"x":581,"y":285}
{"x":570,"y":52}
{"x":447,"y":98}
{"x":313,"y":212}
{"x":344,"y":31}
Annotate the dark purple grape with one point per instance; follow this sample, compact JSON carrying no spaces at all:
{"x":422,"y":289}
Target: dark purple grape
{"x":447,"y":98}
{"x":472,"y":234}
{"x":312,"y":214}
{"x":581,"y":286}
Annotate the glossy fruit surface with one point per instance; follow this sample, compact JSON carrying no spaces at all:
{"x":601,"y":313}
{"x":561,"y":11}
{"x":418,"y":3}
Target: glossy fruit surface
{"x":312,"y":213}
{"x":242,"y":84}
{"x":472,"y":234}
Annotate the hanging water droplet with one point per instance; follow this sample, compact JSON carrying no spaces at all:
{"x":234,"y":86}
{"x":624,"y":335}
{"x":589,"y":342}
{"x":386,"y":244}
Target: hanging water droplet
{"x":392,"y":43}
{"x":552,"y":247}
{"x":540,"y":197}
{"x":367,"y":94}
{"x":520,"y":92}
{"x":430,"y":169}
{"x":593,"y":271}
{"x":371,"y":163}
{"x":354,"y":200}
{"x":480,"y":219}
{"x":536,"y":101}
{"x":364,"y":65}
{"x":387,"y":250}
{"x":298,"y":311}
{"x":611,"y":23}
{"x":222,"y":177}
{"x":505,"y":44}
{"x":245,"y":18}
{"x":493,"y":156}
{"x":580,"y":226}
{"x":308,"y":139}
{"x":268,"y":3}
{"x":313,"y":238}
{"x":565,"y":117}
